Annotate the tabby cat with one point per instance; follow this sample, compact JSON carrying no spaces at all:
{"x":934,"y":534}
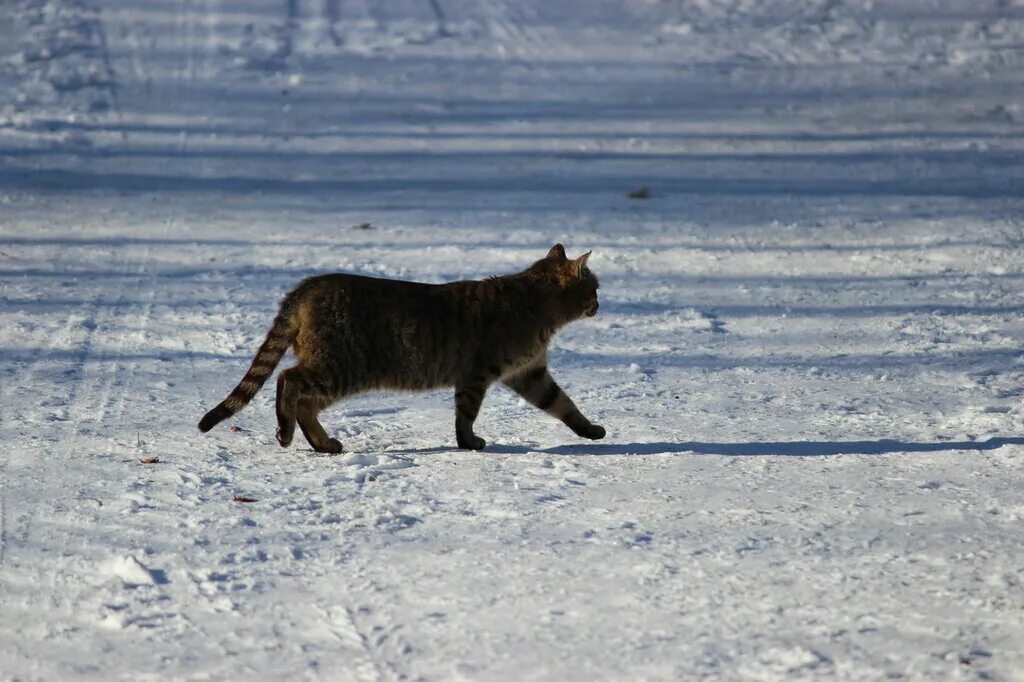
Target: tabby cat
{"x":352,"y":334}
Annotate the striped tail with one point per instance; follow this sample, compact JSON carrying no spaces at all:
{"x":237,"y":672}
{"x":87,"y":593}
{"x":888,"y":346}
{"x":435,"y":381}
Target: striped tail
{"x":270,"y":353}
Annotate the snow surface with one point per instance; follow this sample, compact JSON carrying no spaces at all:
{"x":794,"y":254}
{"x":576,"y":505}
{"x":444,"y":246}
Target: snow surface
{"x":808,"y":357}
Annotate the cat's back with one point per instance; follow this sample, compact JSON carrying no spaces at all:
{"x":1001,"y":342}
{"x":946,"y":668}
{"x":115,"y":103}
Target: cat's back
{"x":389,"y":333}
{"x":344,"y":292}
{"x":340,"y":281}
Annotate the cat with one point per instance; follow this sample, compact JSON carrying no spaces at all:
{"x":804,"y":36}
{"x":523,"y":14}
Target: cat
{"x":352,"y":333}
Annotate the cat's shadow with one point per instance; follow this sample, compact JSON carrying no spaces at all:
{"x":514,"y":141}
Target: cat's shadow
{"x":755,"y":448}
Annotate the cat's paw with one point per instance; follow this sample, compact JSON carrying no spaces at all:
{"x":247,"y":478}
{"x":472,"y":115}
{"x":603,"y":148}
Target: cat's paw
{"x":471,"y":442}
{"x":592,"y":431}
{"x":332,"y":446}
{"x":285,"y":437}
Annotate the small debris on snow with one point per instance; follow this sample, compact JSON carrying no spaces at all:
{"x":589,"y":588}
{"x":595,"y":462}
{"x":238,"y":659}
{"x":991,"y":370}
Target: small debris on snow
{"x":243,"y":498}
{"x":149,"y":460}
{"x":642,"y":192}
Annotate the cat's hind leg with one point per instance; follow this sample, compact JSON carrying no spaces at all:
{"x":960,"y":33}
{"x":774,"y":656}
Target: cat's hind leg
{"x":301,"y":393}
{"x":292,"y":385}
{"x":306,"y":412}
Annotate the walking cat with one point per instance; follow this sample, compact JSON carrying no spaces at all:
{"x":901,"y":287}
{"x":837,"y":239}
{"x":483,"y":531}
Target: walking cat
{"x":352,"y":334}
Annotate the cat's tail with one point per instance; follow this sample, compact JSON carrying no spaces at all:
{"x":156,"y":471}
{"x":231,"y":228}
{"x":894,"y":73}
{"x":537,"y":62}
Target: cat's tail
{"x":279,"y":338}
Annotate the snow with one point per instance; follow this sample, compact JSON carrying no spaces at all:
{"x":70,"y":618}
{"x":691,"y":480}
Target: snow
{"x":808,"y":355}
{"x":132,"y":572}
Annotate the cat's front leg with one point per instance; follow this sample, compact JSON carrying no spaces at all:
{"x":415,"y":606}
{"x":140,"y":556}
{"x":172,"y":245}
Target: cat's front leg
{"x":468,"y":396}
{"x":539,"y":389}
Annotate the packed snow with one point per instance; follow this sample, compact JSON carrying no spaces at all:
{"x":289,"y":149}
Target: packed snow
{"x":809,"y":355}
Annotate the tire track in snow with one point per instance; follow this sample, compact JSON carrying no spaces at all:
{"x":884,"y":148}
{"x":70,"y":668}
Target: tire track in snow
{"x":508,"y":25}
{"x":135,"y":49}
{"x":49,"y":503}
{"x":386,"y":651}
{"x":88,"y":392}
{"x":341,"y":624}
{"x":29,"y":378}
{"x":47,"y":468}
{"x":377,"y":651}
{"x":3,"y":509}
{"x":123,"y":373}
{"x":166,"y":67}
{"x":372,"y":642}
{"x":112,"y":85}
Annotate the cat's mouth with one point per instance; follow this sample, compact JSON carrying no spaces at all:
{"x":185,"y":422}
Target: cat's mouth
{"x":592,"y":310}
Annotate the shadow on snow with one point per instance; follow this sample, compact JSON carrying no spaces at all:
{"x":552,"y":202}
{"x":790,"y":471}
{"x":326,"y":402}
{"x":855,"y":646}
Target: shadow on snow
{"x":749,"y":449}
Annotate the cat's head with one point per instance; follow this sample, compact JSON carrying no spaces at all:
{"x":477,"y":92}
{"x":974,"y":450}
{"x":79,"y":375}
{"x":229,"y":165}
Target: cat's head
{"x":575,"y":284}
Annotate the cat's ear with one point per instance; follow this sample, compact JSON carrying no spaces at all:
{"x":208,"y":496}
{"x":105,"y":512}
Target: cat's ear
{"x":579,"y":263}
{"x":557,"y":251}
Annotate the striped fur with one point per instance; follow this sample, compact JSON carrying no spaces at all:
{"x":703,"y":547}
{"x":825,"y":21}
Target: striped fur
{"x":538,"y":388}
{"x":279,"y":338}
{"x":352,"y":334}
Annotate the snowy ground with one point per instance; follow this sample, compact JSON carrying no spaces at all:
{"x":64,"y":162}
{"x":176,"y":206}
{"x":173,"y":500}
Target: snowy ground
{"x":809,"y":354}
